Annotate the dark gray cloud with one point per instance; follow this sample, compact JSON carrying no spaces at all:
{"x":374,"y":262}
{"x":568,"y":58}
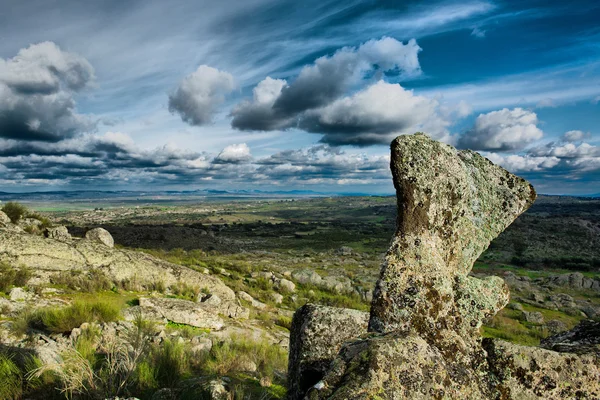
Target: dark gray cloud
{"x":36,"y":94}
{"x":319,"y":84}
{"x":375,"y":116}
{"x":199,"y":94}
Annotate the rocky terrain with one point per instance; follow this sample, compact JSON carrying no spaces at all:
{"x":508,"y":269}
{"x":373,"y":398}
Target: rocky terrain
{"x":423,"y":338}
{"x":204,"y":309}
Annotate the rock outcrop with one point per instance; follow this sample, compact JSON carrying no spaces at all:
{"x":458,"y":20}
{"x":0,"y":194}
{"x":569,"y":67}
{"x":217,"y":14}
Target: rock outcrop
{"x":317,"y":334}
{"x":424,"y":340}
{"x":47,"y":257}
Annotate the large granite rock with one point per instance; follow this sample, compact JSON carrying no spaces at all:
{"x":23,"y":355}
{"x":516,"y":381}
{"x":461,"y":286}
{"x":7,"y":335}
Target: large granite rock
{"x":451,"y":205}
{"x":316,"y":336}
{"x":424,"y":340}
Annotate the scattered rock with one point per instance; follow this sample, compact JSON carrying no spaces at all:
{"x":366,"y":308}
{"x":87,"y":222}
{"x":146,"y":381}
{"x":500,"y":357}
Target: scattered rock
{"x":307,"y":277}
{"x":100,"y":235}
{"x":344,"y":251}
{"x":255,"y":303}
{"x":277,"y":298}
{"x":555,"y":326}
{"x":20,"y":294}
{"x":182,"y":312}
{"x":286,"y":285}
{"x":59,"y":233}
{"x":515,"y":306}
{"x":201,"y":344}
{"x":535,"y":317}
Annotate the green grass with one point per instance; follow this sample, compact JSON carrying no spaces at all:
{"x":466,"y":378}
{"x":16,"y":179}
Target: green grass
{"x":64,"y":320}
{"x":11,"y":378}
{"x":11,"y":276}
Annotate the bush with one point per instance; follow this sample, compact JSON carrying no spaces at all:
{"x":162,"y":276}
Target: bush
{"x":91,"y":281}
{"x":15,"y":211}
{"x":64,"y":320}
{"x":171,"y":362}
{"x":11,"y":379}
{"x":230,"y":356}
{"x":10,"y":276}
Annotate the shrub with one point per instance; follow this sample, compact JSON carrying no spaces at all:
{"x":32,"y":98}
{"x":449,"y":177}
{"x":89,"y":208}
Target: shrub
{"x":15,"y":211}
{"x":171,"y":362}
{"x":10,"y":276}
{"x":90,"y":281}
{"x":62,"y":320}
{"x":11,"y":379}
{"x":185,"y":291}
{"x":230,"y":356}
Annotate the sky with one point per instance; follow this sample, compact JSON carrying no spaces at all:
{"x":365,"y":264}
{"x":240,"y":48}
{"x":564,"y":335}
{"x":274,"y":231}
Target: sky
{"x":292,"y":95}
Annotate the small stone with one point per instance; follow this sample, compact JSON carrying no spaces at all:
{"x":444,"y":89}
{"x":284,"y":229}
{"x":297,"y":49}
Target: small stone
{"x":19,"y":294}
{"x":277,"y":298}
{"x":58,"y":233}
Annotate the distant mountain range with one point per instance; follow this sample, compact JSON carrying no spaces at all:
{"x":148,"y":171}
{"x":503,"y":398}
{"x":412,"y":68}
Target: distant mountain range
{"x":126,"y":194}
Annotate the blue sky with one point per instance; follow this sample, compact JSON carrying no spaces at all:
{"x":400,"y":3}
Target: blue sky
{"x":271,"y":95}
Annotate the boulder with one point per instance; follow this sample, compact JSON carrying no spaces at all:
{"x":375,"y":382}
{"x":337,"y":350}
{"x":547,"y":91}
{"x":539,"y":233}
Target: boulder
{"x":316,"y":336}
{"x":59,"y":233}
{"x":555,"y":326}
{"x":100,"y":235}
{"x":285,"y":285}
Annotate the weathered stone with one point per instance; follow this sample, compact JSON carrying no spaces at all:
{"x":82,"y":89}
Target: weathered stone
{"x":182,"y":312}
{"x":584,"y":338}
{"x":555,"y":326}
{"x":535,"y":317}
{"x":307,"y":277}
{"x":450,"y":206}
{"x":19,"y":294}
{"x":316,"y":336}
{"x":4,"y":220}
{"x":100,"y":235}
{"x":255,"y":303}
{"x":277,"y":298}
{"x":522,"y":372}
{"x":286,"y":285}
{"x":46,"y":256}
{"x":59,"y":233}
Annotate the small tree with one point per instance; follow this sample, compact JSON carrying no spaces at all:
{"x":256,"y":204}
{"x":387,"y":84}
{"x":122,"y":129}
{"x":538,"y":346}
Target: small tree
{"x":15,"y":211}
